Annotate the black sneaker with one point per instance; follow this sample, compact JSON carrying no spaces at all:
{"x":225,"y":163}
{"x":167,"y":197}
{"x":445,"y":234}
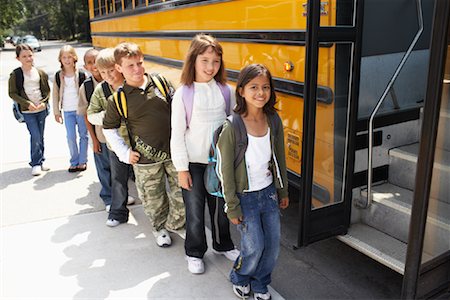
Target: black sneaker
{"x":242,"y":291}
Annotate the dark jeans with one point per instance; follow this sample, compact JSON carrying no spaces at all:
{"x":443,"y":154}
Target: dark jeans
{"x":194,"y":201}
{"x":103,"y":166}
{"x":119,"y":188}
{"x":36,"y":125}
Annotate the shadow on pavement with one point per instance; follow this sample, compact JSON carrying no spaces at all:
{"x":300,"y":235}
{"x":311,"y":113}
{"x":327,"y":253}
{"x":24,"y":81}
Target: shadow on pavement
{"x":14,"y":177}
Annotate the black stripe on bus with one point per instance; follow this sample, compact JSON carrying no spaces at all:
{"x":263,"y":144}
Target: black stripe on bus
{"x":296,"y":38}
{"x":362,"y":140}
{"x":290,"y":87}
{"x":327,"y":36}
{"x":389,"y":118}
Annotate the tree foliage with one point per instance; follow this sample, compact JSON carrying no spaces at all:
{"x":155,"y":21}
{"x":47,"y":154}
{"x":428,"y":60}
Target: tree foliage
{"x":53,"y":19}
{"x":10,"y":14}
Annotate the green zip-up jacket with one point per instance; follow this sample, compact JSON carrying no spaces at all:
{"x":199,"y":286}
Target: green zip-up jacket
{"x":235,"y":181}
{"x":21,"y":97}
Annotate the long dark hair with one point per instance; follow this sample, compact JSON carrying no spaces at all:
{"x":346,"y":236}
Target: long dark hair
{"x":247,"y":74}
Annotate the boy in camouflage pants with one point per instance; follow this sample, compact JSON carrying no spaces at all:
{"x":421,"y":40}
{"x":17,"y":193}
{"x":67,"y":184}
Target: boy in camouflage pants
{"x":148,"y":123}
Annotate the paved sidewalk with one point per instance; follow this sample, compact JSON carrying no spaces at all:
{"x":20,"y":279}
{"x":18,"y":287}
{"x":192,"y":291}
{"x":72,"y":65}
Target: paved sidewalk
{"x":55,"y":245}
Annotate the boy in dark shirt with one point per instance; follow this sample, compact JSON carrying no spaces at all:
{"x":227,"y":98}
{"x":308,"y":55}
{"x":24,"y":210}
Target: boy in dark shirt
{"x":148,"y":123}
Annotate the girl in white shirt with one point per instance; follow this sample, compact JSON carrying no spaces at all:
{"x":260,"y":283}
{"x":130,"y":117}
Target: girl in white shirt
{"x":65,"y":98}
{"x":29,"y":87}
{"x":193,"y":124}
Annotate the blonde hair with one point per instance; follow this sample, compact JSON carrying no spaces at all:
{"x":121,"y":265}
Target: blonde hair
{"x":126,"y":50}
{"x":200,"y":43}
{"x":105,"y":59}
{"x":68,"y":49}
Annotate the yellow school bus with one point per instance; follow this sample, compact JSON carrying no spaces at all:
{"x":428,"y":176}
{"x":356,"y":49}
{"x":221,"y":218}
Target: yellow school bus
{"x":351,"y":83}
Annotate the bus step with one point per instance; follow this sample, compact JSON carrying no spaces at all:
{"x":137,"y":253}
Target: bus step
{"x":377,"y":245}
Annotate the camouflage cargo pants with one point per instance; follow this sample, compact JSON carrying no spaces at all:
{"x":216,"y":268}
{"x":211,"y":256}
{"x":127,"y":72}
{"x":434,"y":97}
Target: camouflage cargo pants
{"x":164,"y":206}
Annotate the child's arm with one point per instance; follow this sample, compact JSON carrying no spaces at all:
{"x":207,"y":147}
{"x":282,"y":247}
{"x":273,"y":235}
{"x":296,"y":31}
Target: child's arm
{"x":281,"y":161}
{"x":225,"y":161}
{"x":15,"y":94}
{"x":45,"y":88}
{"x":178,"y":149}
{"x":56,"y":102}
{"x":95,"y":111}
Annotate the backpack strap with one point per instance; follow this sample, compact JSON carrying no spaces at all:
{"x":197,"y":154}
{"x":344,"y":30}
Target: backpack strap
{"x":162,"y":85}
{"x":81,"y":78}
{"x":58,"y":78}
{"x":89,"y":88}
{"x":19,"y":79}
{"x":121,"y":103}
{"x":226,"y":93}
{"x":106,"y":90}
{"x":241,"y":138}
{"x":188,"y":100}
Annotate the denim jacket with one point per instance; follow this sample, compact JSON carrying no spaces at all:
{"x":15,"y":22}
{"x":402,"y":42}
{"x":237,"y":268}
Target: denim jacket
{"x":235,"y":181}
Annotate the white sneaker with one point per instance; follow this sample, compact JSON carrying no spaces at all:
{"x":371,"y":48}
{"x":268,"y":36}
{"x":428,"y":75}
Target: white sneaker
{"x":242,"y":291}
{"x":44,"y":168}
{"x":36,"y":170}
{"x":260,"y":296}
{"x":230,"y":254}
{"x":162,"y":238}
{"x":112,"y":223}
{"x":195,"y":265}
{"x":108,"y":208}
{"x":130,"y":200}
{"x":181,"y":232}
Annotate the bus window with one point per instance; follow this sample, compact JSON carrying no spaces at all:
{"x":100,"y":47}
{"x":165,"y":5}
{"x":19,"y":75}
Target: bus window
{"x":128,"y":4}
{"x":140,"y":3}
{"x":110,"y":6}
{"x":96,"y":9}
{"x":103,"y":7}
{"x":118,"y":5}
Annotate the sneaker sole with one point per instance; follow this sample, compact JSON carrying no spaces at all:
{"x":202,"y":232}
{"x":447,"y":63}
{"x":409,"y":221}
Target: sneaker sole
{"x":238,"y":294}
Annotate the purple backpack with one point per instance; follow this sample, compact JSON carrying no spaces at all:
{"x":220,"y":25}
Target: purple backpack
{"x":188,"y":100}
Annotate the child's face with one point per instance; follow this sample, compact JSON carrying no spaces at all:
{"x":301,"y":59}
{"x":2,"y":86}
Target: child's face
{"x":26,"y":58}
{"x":132,"y":69}
{"x":256,"y":92}
{"x":207,"y":65}
{"x":111,"y":75}
{"x":89,"y":65}
{"x":67,"y":60}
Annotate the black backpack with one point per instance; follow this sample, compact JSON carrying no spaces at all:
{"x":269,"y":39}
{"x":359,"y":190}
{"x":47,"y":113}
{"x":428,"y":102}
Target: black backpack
{"x":19,"y":85}
{"x":81,"y":79}
{"x":211,"y":179}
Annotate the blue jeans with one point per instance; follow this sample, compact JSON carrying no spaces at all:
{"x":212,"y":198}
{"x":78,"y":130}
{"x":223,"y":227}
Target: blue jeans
{"x":78,"y":155}
{"x":120,"y":172}
{"x":36,"y":124}
{"x":260,"y":239}
{"x":195,"y":201}
{"x":103,"y":167}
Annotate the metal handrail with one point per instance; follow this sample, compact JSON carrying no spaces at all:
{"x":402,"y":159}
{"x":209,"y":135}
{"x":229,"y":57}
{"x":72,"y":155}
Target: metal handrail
{"x":386,"y":91}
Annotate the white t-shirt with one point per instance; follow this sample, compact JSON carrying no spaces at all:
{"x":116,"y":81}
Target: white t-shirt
{"x":70,"y":94}
{"x":32,"y":86}
{"x":257,"y":158}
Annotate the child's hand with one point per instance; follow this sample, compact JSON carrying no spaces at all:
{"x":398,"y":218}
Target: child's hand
{"x":59,"y":119}
{"x":134,"y":157}
{"x":185,"y":180}
{"x":284,"y":203}
{"x":236,"y":221}
{"x":32,"y":107}
{"x":96,"y":145}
